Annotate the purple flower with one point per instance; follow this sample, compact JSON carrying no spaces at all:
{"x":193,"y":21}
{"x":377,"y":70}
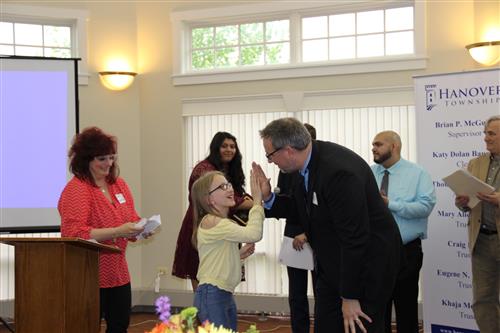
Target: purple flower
{"x":163,"y":308}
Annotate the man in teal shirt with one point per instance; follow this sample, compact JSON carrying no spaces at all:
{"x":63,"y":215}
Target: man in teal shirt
{"x":408,"y":191}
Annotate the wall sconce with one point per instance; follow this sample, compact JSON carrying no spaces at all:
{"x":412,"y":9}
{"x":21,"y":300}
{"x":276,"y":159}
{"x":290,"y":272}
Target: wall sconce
{"x":485,"y":53}
{"x":117,"y":80}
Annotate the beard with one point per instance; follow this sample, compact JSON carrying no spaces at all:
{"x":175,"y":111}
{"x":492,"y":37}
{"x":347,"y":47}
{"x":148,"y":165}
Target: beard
{"x":382,"y":158}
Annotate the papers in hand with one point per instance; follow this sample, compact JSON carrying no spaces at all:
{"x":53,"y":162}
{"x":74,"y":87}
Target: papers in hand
{"x":293,"y":258}
{"x":463,"y":183}
{"x":149,"y":225}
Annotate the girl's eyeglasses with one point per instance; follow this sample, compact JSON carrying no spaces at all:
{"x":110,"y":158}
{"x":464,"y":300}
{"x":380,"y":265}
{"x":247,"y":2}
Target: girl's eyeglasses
{"x":223,"y":186}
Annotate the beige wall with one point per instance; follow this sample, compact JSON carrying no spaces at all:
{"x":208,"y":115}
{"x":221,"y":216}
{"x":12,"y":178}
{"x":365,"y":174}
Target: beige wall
{"x":147,"y":117}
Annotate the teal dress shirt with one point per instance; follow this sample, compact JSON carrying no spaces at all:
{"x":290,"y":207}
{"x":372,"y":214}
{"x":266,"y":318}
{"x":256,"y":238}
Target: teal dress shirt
{"x":411,"y":197}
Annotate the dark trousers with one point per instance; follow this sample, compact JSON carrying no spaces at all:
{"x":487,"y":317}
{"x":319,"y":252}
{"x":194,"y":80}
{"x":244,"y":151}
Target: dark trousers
{"x":115,"y":308}
{"x":297,"y":299}
{"x":405,"y":295}
{"x":328,"y":310}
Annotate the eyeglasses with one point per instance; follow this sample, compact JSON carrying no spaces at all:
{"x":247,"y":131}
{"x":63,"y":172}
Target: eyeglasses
{"x":270,"y":155}
{"x":223,"y":186}
{"x":104,"y":158}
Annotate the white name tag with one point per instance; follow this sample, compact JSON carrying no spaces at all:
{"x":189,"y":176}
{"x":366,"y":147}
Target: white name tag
{"x":120,"y":198}
{"x":315,"y":199}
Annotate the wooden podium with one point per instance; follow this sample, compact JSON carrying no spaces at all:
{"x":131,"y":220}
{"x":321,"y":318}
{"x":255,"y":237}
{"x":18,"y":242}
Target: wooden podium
{"x":57,"y":284}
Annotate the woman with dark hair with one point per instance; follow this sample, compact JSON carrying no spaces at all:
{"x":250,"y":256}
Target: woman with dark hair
{"x":224,"y":156}
{"x":97,"y":204}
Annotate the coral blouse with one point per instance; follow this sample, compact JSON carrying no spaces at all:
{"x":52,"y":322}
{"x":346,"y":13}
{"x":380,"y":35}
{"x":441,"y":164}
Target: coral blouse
{"x":84,"y":207}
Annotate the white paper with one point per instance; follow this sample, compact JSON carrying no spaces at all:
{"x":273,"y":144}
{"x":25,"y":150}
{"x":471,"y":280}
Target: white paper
{"x":149,"y":225}
{"x":299,"y":259}
{"x":463,"y":183}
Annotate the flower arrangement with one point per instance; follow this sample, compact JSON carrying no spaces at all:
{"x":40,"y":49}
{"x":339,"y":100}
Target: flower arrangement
{"x":185,"y":321}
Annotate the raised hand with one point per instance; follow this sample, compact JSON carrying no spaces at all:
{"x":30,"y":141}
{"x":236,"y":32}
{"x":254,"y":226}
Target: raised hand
{"x":255,"y":188}
{"x":263,"y":181}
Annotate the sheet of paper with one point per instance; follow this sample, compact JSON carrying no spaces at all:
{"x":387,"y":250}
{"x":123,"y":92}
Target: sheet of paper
{"x":299,"y":259}
{"x":149,"y":225}
{"x":462,"y":182}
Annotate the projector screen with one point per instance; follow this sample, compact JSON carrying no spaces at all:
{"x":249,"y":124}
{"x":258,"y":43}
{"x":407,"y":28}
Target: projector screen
{"x":38,"y":119}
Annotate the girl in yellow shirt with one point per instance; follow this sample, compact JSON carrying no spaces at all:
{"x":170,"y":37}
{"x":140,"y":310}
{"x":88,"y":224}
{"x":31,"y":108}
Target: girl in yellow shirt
{"x":216,"y":237}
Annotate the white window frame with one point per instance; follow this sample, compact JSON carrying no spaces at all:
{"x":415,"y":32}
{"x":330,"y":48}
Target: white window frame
{"x":183,"y":21}
{"x":49,"y":15}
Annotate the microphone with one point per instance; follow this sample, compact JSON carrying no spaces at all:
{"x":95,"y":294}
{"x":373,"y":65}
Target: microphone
{"x":277,"y":190}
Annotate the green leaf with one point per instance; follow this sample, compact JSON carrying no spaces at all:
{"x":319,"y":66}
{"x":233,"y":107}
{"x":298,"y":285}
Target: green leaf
{"x":226,"y":57}
{"x":252,"y":55}
{"x":226,"y":35}
{"x":202,"y":38}
{"x":278,"y":53}
{"x":203,"y":59}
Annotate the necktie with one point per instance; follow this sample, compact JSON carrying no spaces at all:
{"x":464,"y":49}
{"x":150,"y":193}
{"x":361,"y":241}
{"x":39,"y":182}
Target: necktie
{"x":384,"y":186}
{"x":302,"y":184}
{"x":305,"y":179}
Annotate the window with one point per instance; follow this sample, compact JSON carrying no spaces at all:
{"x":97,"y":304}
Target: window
{"x":256,"y":43}
{"x":375,"y":33}
{"x":38,"y":40}
{"x":283,"y":40}
{"x":45,"y":32}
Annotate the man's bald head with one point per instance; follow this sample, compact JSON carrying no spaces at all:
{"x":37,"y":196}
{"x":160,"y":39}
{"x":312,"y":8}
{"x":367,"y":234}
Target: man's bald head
{"x":386,"y":148}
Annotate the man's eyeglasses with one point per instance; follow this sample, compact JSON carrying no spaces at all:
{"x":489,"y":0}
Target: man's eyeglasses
{"x":104,"y":158}
{"x":270,"y":155}
{"x":223,"y":186}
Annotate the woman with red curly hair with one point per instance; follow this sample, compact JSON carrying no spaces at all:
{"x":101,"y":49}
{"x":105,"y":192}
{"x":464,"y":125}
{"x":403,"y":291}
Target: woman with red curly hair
{"x":97,"y":204}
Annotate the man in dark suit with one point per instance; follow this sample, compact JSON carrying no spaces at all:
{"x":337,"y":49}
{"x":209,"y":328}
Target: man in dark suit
{"x":297,"y":277}
{"x":355,"y":239}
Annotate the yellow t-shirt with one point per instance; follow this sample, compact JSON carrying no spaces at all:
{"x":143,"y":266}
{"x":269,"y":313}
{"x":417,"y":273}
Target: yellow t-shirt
{"x":218,"y":249}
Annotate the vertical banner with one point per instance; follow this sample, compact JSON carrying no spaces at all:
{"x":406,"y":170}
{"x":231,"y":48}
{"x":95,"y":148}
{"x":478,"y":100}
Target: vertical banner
{"x":451,"y":110}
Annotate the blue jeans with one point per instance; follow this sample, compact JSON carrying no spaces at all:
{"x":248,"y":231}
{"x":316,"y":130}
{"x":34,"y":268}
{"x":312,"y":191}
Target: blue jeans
{"x":216,"y":305}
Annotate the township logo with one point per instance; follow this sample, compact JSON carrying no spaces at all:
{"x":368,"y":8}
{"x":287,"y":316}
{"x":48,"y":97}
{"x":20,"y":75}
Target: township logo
{"x":430,"y":96}
{"x":468,"y":96}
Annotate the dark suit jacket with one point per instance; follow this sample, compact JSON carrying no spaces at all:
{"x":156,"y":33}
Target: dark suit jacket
{"x":354,"y":236}
{"x":293,"y":226}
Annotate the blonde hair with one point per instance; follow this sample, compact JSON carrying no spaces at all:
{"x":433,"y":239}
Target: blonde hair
{"x":199,"y":200}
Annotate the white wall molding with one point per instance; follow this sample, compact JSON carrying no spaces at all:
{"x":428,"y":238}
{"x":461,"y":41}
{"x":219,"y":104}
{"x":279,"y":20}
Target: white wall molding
{"x":294,"y":101}
{"x":355,"y":66}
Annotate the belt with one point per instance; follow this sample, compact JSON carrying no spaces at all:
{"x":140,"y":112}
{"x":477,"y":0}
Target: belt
{"x":487,"y":231}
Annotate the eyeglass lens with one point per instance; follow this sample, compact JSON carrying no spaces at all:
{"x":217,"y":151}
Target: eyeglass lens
{"x":224,"y":187}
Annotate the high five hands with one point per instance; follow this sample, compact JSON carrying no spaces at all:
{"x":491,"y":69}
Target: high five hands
{"x":262,"y":180}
